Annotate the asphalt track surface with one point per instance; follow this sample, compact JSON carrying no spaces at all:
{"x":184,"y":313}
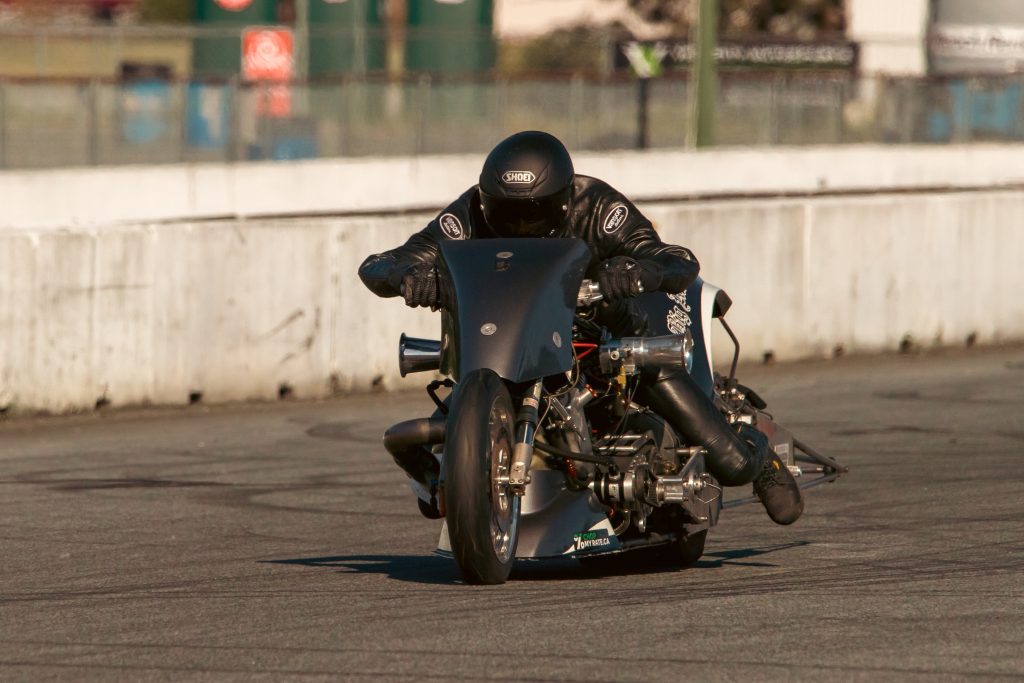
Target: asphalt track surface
{"x":275,"y":542}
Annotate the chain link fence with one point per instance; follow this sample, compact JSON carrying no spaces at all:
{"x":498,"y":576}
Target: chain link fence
{"x":80,"y":123}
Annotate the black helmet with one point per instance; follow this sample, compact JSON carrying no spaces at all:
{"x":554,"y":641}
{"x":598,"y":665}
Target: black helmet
{"x":526,"y":185}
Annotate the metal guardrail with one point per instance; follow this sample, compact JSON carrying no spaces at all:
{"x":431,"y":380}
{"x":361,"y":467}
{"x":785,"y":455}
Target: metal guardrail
{"x":48,"y":123}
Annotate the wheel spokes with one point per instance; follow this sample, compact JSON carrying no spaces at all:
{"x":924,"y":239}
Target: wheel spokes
{"x":504,"y":504}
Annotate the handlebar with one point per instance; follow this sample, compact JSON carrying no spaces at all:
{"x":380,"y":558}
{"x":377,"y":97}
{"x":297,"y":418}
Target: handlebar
{"x":590,"y":293}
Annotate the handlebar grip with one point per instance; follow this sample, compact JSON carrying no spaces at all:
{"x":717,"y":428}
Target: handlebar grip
{"x":590,"y":293}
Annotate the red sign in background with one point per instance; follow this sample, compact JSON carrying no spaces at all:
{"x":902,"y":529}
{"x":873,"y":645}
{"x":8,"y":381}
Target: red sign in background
{"x":267,"y":54}
{"x":234,"y":5}
{"x":268,"y":57}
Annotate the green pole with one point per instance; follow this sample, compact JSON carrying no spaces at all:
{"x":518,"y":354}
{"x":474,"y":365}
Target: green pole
{"x":705,"y":76}
{"x":301,"y":40}
{"x":301,"y":53}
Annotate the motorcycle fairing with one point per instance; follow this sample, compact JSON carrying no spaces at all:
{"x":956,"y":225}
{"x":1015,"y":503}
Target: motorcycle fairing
{"x":691,"y":310}
{"x":509,"y":305}
{"x":555,"y":522}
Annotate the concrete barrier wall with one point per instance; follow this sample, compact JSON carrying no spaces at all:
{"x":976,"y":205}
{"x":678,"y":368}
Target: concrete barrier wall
{"x":810,"y":276}
{"x":240,"y":310}
{"x":232,"y":310}
{"x":73,"y":198}
{"x":155,"y":311}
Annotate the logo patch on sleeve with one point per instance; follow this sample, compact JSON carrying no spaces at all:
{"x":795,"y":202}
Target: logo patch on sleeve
{"x":451,"y":227}
{"x":615,"y":218}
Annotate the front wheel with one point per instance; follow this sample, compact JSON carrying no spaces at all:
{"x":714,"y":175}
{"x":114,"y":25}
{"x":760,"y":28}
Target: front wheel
{"x":481,"y":512}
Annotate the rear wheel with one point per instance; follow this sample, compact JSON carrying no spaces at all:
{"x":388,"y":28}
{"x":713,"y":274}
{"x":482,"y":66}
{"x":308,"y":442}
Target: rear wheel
{"x":481,"y":512}
{"x":686,"y":550}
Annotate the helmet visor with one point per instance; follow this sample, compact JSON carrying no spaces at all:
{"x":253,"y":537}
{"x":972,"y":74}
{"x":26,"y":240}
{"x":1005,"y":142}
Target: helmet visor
{"x":524,"y":216}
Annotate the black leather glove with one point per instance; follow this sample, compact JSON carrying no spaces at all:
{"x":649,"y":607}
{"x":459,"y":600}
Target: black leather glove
{"x":420,"y":287}
{"x":621,"y":277}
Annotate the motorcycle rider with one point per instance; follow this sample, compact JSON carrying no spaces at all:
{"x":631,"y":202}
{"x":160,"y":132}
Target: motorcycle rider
{"x":528,"y":188}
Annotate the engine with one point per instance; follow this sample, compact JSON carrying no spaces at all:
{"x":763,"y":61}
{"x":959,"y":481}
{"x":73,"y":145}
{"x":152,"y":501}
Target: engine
{"x":647,"y":478}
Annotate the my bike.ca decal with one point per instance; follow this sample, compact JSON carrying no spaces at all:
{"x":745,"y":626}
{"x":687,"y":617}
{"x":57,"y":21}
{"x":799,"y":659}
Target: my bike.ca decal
{"x":678,"y":317}
{"x":451,"y":227}
{"x":616,"y":218}
{"x":591,"y":540}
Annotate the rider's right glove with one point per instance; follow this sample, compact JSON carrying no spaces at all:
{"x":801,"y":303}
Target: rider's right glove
{"x":420,"y":286}
{"x":621,"y":277}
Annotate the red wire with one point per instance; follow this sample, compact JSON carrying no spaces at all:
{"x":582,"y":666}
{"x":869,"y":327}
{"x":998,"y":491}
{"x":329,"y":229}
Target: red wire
{"x":590,"y":348}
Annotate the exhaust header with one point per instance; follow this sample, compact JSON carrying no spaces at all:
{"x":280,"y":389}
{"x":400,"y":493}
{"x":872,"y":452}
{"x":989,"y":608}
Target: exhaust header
{"x":418,"y":355}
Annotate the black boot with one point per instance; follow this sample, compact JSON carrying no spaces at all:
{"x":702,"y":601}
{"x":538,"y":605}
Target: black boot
{"x":409,"y":444}
{"x":774,"y":485}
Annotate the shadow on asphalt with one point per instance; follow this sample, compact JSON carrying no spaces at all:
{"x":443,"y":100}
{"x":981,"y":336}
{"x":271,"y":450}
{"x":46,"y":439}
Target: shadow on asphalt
{"x":429,"y":569}
{"x":638,"y":562}
{"x":436,"y":570}
{"x":717,"y":559}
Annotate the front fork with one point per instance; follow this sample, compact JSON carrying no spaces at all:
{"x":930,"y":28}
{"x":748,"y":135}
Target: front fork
{"x":526,"y":431}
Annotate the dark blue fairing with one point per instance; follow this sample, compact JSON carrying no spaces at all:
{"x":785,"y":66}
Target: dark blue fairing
{"x":672,"y":314}
{"x":510,"y":305}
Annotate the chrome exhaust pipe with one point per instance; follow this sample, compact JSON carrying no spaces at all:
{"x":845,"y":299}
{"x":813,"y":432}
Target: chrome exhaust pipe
{"x":418,"y":355}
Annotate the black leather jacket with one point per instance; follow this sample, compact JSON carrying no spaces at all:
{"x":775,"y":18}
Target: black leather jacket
{"x":600,"y":216}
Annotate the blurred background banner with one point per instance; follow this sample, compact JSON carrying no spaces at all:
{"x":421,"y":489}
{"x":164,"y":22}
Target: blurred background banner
{"x":219,"y":52}
{"x":91,"y":82}
{"x":450,"y":36}
{"x":145,"y":103}
{"x":346,"y":36}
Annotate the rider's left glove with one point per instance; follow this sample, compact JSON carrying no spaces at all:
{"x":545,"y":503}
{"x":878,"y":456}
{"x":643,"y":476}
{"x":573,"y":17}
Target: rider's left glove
{"x":420,"y":286}
{"x":621,"y":277}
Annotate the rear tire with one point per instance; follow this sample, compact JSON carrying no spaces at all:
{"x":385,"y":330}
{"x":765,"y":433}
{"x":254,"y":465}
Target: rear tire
{"x":481,"y":512}
{"x":686,"y":550}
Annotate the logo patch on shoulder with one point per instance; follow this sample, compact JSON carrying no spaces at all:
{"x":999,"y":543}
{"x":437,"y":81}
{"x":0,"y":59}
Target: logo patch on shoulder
{"x":518,"y":177}
{"x":615,"y":218}
{"x":451,"y":226}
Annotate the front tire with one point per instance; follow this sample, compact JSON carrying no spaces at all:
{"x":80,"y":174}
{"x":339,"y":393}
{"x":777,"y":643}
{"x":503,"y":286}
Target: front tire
{"x":481,"y":512}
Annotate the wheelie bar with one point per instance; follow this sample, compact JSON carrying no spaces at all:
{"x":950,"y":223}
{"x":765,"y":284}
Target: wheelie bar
{"x":526,"y":430}
{"x":828,"y":470}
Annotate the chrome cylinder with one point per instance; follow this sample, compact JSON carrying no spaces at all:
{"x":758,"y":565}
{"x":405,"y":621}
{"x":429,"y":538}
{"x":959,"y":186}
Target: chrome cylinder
{"x":632,"y":354}
{"x":526,"y":431}
{"x":418,"y":355}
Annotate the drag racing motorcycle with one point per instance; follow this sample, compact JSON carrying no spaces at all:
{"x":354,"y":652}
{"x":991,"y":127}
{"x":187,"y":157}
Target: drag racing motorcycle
{"x":539,"y":450}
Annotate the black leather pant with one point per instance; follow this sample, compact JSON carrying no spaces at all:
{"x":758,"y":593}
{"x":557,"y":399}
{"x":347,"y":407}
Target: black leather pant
{"x":677,"y":398}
